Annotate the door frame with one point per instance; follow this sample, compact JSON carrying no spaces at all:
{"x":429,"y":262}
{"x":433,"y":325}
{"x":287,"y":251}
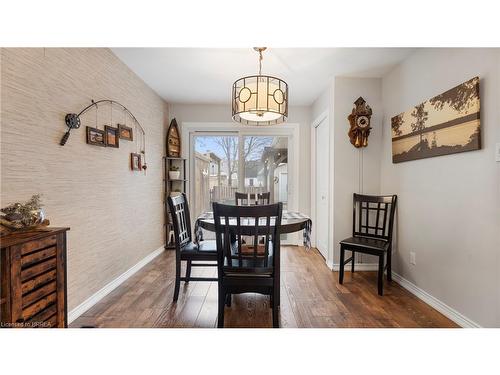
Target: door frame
{"x":324,"y":116}
{"x":291,"y":130}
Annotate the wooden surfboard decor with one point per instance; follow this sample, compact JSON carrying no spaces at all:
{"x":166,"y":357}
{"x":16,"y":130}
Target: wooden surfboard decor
{"x":173,"y":140}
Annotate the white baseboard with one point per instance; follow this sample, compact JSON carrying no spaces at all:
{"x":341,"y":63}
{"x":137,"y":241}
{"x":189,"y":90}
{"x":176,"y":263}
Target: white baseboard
{"x":432,"y":301}
{"x":96,"y":297}
{"x":357,"y":267}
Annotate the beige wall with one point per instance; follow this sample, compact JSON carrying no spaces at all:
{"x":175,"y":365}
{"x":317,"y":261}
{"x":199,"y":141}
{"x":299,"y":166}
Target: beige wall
{"x":115,"y":215}
{"x":448,"y":206}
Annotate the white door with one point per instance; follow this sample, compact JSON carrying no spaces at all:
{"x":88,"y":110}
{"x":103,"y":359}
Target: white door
{"x":322,"y":178}
{"x":283,"y":187}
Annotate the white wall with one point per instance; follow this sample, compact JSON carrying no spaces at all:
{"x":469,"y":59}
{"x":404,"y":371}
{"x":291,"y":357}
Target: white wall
{"x":222,"y":113}
{"x":353,"y":170}
{"x":324,"y":102}
{"x":449,"y":206}
{"x":357,"y":170}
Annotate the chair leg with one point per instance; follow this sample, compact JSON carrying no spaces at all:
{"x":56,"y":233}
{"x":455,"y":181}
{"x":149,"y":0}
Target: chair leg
{"x":228,"y":299}
{"x":188,"y":271}
{"x":275,"y":306}
{"x":220,"y":315}
{"x":352,"y":263}
{"x":381,"y":274}
{"x":277,"y":295}
{"x":341,"y":265}
{"x":177,"y":278}
{"x":389,"y":264}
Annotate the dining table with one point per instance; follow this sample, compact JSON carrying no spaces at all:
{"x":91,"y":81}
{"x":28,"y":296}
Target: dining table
{"x":291,"y":222}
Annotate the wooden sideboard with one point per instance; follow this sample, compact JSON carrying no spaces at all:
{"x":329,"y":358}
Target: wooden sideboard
{"x":33,"y":279}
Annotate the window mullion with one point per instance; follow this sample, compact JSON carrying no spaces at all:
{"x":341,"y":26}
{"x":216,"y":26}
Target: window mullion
{"x":241,"y":162}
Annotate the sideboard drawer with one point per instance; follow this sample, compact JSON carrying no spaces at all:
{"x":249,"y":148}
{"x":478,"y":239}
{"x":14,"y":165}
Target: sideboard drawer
{"x":36,"y":245}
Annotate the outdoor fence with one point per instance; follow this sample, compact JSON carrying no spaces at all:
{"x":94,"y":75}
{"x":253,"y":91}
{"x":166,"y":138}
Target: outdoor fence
{"x":225,"y":194}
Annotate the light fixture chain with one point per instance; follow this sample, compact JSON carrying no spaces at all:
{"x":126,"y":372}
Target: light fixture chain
{"x":260,"y":62}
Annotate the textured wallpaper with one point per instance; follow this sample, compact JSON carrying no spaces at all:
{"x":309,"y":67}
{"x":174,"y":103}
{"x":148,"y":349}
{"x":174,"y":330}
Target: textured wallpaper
{"x":115,"y":215}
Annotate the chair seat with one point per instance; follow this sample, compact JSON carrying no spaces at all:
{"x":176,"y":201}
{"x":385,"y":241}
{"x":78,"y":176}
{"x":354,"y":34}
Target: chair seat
{"x":247,"y":268}
{"x":206,"y":250}
{"x":203,"y":247}
{"x":364,"y":242}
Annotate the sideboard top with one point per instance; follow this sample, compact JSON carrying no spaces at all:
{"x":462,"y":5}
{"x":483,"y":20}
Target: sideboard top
{"x":16,"y":238}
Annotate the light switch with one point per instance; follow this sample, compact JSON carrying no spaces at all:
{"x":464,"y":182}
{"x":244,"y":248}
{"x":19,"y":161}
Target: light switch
{"x":497,"y":152}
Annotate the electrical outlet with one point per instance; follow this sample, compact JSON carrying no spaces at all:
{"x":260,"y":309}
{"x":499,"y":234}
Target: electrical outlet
{"x":497,"y":152}
{"x":413,"y":258}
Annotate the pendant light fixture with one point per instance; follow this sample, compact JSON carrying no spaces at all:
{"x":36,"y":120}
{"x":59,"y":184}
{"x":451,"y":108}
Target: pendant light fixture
{"x":260,"y":99}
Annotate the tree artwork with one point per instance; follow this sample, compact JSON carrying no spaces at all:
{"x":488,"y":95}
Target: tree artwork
{"x":460,"y":98}
{"x":420,"y":115}
{"x":396,"y":123}
{"x":445,"y":124}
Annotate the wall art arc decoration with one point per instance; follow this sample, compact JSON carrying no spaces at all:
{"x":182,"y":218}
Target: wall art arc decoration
{"x":109,"y":136}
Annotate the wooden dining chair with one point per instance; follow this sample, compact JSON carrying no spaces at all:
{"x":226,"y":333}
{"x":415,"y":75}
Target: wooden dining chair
{"x":241,"y":199}
{"x":254,"y":269}
{"x":185,"y":248}
{"x":372,"y":225}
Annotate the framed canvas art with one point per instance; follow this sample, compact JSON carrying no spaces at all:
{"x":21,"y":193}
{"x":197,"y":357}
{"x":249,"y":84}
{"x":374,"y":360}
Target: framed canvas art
{"x":446,"y":124}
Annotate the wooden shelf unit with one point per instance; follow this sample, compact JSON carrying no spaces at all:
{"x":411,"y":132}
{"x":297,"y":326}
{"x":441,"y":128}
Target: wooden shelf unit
{"x":169,"y":185}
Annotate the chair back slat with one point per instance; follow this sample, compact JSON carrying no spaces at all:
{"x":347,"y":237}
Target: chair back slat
{"x":234,"y":224}
{"x":227,"y":239}
{"x":181,"y":220}
{"x":373,"y":216}
{"x":256,"y":241}
{"x":239,"y":239}
{"x":244,"y":199}
{"x":377,"y":219}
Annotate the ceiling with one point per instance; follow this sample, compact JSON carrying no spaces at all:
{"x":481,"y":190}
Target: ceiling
{"x":206,"y":75}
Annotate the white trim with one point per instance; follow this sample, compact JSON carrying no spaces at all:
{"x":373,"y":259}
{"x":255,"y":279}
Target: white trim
{"x":100,"y":294}
{"x":324,"y":116}
{"x":421,"y":294}
{"x":357,"y":267}
{"x":432,"y":301}
{"x":320,"y":118}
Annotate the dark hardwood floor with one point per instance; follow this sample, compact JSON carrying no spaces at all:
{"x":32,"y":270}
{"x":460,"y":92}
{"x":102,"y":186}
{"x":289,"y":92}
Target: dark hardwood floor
{"x":310,"y":297}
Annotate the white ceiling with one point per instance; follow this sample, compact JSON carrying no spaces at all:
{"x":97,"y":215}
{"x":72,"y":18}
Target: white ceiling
{"x":206,"y":75}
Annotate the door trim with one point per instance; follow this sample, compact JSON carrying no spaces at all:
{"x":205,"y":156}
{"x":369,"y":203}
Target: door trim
{"x":290,"y":130}
{"x":324,"y":116}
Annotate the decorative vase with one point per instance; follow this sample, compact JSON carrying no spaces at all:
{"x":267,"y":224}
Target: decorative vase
{"x":174,"y":175}
{"x":36,"y":217}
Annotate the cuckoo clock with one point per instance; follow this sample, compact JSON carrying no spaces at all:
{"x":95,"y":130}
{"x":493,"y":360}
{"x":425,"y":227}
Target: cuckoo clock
{"x":359,"y":121}
{"x":173,"y":140}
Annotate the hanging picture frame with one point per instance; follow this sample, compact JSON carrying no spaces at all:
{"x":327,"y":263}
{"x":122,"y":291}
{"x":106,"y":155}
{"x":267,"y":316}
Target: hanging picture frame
{"x":96,"y":137}
{"x":125,"y":132}
{"x":112,"y":138}
{"x":135,"y":162}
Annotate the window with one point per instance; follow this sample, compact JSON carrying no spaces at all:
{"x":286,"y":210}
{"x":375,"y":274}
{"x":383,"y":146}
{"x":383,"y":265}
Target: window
{"x":244,"y":160}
